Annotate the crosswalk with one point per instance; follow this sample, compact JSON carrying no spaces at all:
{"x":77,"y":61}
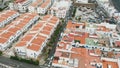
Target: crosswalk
{"x":5,"y":66}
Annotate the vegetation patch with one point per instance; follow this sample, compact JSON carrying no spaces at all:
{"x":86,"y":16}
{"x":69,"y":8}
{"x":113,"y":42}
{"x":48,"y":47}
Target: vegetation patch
{"x":0,"y":53}
{"x":77,"y":41}
{"x":30,"y":61}
{"x":74,"y":11}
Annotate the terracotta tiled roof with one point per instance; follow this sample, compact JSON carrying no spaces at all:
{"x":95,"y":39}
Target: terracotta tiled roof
{"x":45,"y":4}
{"x":19,"y":1}
{"x":117,"y":43}
{"x":45,"y":32}
{"x":14,"y":30}
{"x":27,"y":38}
{"x":34,"y":47}
{"x":42,"y":37}
{"x":111,"y":54}
{"x":21,"y":43}
{"x":47,"y":16}
{"x":62,"y":45}
{"x":53,"y":22}
{"x":7,"y":34}
{"x":98,"y":51}
{"x":20,"y":25}
{"x":5,"y":14}
{"x":112,"y":64}
{"x":54,"y":18}
{"x":39,"y":25}
{"x":3,"y":40}
{"x":47,"y":28}
{"x":73,"y":25}
{"x":35,"y":36}
{"x":84,"y":58}
{"x":38,"y":41}
{"x":36,"y":3}
{"x":103,"y":28}
{"x":69,"y":25}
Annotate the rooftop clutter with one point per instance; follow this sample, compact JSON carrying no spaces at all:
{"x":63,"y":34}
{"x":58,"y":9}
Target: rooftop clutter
{"x":83,"y":44}
{"x":60,"y":10}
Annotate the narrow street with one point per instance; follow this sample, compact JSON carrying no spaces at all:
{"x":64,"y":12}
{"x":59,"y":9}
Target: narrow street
{"x":63,"y":25}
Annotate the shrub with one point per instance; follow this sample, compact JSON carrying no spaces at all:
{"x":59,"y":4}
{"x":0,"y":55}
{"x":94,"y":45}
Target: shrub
{"x":30,"y":61}
{"x":77,"y":41}
{"x":0,"y":53}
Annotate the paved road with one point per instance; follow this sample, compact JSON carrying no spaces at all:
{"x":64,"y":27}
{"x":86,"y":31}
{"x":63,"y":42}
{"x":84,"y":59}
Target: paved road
{"x":4,"y":66}
{"x":51,"y":55}
{"x":16,"y":64}
{"x":116,"y":4}
{"x":101,"y":8}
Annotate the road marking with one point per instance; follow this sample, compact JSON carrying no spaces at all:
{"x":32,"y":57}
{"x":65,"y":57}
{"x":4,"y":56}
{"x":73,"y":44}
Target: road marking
{"x":6,"y":66}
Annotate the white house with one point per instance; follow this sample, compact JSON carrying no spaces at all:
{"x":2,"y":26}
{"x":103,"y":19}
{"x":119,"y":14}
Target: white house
{"x":35,"y":40}
{"x":34,"y":5}
{"x":7,"y":16}
{"x":15,"y":29}
{"x":44,"y":7}
{"x":20,"y":5}
{"x":60,"y":8}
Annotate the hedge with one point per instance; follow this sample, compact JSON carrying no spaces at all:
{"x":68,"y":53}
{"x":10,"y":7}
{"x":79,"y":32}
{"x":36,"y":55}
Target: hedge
{"x":25,"y":60}
{"x":0,"y":53}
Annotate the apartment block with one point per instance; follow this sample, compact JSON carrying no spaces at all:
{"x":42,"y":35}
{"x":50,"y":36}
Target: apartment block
{"x":11,"y":33}
{"x":32,"y":44}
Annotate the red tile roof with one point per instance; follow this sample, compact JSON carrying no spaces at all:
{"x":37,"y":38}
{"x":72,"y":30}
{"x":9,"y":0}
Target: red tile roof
{"x":72,"y":25}
{"x":34,"y":47}
{"x":21,"y":43}
{"x":14,"y":30}
{"x":42,"y":37}
{"x":47,"y":28}
{"x":45,"y":32}
{"x":7,"y":35}
{"x":53,"y":22}
{"x":117,"y":43}
{"x":36,"y":3}
{"x":27,"y":38}
{"x":47,"y":16}
{"x":5,"y":14}
{"x":19,"y":1}
{"x":45,"y":4}
{"x":112,"y":64}
{"x":84,"y":58}
{"x":38,"y":41}
{"x":3,"y":40}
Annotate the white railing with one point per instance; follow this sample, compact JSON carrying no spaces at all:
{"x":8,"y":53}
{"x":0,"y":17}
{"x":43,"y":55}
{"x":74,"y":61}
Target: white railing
{"x":118,"y":63}
{"x":60,"y":65}
{"x":109,"y":59}
{"x":92,"y":54}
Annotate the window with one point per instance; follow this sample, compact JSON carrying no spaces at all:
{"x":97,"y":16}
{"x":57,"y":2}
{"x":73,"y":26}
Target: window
{"x":35,"y":55}
{"x":77,"y":26}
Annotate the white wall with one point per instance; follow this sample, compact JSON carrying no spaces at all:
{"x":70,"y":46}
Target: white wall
{"x":32,"y":54}
{"x":20,"y":50}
